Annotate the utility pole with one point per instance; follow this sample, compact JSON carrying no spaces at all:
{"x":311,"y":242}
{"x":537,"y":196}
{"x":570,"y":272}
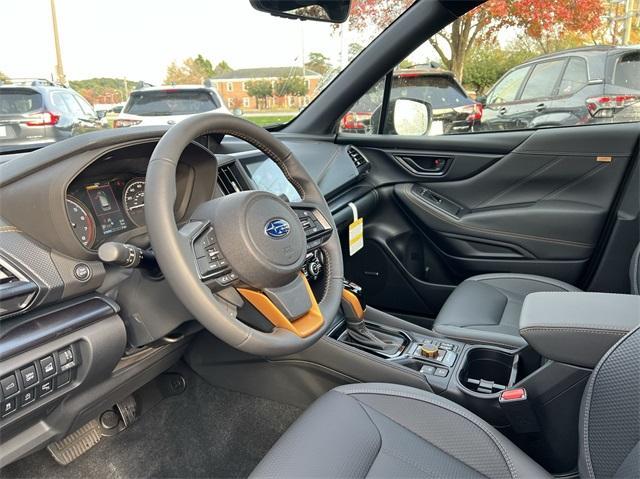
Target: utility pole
{"x":628,"y":22}
{"x":59,"y":70}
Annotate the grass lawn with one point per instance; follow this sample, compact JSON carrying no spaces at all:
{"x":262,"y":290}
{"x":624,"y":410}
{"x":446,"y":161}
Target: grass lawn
{"x":264,"y":120}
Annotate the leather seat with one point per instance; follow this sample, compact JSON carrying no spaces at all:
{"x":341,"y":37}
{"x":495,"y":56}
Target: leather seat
{"x":486,"y":308}
{"x":385,"y":430}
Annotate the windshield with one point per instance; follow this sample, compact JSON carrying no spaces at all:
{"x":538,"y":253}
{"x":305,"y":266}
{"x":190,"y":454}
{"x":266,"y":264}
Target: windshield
{"x":247,"y":63}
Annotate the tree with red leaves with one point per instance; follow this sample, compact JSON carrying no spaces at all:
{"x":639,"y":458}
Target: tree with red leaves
{"x":542,"y":20}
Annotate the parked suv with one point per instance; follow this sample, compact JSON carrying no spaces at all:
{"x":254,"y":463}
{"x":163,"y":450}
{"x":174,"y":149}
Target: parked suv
{"x":35,"y":111}
{"x":167,"y":105}
{"x":579,"y":86}
{"x":453,"y":110}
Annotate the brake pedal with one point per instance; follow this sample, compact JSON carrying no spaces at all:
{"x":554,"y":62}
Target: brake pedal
{"x":73,"y":446}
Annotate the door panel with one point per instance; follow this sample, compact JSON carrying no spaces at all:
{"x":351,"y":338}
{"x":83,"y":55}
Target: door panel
{"x":535,"y":203}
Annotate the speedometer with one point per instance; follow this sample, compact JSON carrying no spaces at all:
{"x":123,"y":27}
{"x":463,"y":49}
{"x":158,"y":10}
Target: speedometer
{"x":133,"y":201}
{"x":84,"y":227}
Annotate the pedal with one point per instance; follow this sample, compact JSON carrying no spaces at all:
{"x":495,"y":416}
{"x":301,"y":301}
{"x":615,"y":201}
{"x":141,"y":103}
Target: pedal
{"x":76,"y":444}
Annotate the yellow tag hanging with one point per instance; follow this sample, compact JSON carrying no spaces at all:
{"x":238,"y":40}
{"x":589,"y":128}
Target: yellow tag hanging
{"x":356,"y":232}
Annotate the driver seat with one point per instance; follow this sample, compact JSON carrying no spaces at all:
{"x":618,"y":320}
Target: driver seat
{"x":386,"y":430}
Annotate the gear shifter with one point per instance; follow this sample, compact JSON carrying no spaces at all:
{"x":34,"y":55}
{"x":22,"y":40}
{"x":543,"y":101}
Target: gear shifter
{"x":353,"y":306}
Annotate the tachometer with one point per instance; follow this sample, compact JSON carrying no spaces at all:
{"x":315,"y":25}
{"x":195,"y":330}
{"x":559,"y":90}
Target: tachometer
{"x":133,"y":201}
{"x":84,"y":227}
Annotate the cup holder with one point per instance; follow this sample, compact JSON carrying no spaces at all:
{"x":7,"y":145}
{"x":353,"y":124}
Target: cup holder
{"x":488,"y":371}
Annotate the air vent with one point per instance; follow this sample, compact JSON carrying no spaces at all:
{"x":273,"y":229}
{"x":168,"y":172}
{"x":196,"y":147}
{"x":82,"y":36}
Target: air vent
{"x":16,"y":290}
{"x":230,"y":179}
{"x":358,"y":158}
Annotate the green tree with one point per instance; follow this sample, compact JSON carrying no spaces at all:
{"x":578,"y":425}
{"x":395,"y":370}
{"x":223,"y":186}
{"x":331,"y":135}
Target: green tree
{"x":485,"y":65}
{"x":293,"y":86}
{"x":191,"y":71}
{"x":260,"y":90}
{"x":222,"y":67}
{"x":406,"y":63}
{"x":103,"y":90}
{"x":3,"y":77}
{"x":204,"y":66}
{"x":318,"y":63}
{"x":354,"y":50}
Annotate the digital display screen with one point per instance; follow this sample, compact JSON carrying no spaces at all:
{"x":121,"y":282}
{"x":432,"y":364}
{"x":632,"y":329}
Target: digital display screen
{"x":268,"y":177}
{"x":108,"y":213}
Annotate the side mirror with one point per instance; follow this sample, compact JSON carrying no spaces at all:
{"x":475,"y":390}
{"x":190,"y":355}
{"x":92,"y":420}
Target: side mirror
{"x":410,"y":117}
{"x":333,"y":11}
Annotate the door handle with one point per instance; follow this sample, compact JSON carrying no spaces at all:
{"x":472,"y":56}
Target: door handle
{"x":502,"y":111}
{"x":540,"y":107}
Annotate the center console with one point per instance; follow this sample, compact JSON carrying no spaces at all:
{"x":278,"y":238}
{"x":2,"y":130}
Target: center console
{"x":531,"y":394}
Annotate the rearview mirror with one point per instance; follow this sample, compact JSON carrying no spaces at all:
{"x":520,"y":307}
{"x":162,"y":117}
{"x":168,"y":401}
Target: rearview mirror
{"x":410,"y":117}
{"x":333,"y":11}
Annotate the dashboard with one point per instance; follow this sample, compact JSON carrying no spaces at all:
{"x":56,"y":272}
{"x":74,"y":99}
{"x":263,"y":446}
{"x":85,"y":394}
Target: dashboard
{"x":59,"y":205}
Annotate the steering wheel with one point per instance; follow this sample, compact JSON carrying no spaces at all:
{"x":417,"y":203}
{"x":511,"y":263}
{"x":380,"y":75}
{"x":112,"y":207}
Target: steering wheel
{"x":246,"y":247}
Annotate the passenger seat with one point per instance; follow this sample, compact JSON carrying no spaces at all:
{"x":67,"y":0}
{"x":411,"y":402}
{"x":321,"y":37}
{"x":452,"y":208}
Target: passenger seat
{"x":486,"y":308}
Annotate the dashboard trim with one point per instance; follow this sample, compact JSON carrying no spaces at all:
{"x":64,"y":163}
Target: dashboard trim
{"x":30,"y":331}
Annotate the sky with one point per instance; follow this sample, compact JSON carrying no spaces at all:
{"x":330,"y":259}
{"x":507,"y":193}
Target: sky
{"x":137,"y":39}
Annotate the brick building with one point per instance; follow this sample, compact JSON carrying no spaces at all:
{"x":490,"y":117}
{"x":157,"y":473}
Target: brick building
{"x":232,"y":86}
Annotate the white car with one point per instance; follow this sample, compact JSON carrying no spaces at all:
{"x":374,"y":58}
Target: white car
{"x":167,"y":105}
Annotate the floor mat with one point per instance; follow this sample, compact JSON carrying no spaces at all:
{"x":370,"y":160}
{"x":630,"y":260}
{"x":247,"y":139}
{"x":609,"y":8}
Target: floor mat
{"x":204,"y":432}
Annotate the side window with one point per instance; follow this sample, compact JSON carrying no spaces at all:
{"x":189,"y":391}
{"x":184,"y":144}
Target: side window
{"x":73,"y":106}
{"x":84,"y":105}
{"x":543,"y":80}
{"x":507,"y":89}
{"x":575,"y":77}
{"x":58,"y":102}
{"x":497,"y":69}
{"x":358,"y":118}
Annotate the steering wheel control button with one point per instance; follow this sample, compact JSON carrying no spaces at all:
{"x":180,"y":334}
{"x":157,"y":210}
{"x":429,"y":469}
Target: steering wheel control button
{"x":82,"y":272}
{"x":9,"y":385}
{"x":29,"y":376}
{"x":227,"y":278}
{"x":47,"y":366}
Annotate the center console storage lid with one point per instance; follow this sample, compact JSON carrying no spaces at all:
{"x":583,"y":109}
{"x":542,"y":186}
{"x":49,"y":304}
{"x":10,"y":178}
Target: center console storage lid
{"x":577,"y":328}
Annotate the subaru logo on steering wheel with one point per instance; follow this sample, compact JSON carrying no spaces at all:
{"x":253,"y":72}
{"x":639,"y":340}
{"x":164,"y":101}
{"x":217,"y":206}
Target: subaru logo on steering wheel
{"x":277,"y":228}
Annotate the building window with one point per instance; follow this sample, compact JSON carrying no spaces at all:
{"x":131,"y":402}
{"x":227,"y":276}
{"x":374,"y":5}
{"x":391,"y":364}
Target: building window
{"x":229,"y":86}
{"x":229,"y":102}
{"x":244,"y":86}
{"x":245,"y":102}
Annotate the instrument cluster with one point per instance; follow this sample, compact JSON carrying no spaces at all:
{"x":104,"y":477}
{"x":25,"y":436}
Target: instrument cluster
{"x":100,"y":209}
